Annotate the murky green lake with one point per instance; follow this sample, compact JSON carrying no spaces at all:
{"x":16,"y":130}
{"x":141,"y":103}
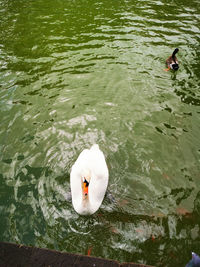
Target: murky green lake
{"x":76,"y":72}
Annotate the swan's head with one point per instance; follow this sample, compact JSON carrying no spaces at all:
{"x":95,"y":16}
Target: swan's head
{"x":86,"y":177}
{"x":85,"y":185}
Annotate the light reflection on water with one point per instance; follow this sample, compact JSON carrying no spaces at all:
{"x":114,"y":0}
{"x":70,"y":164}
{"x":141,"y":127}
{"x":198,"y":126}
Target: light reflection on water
{"x":77,"y":73}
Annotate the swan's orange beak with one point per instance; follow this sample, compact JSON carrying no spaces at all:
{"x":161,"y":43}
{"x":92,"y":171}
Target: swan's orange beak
{"x":85,"y":188}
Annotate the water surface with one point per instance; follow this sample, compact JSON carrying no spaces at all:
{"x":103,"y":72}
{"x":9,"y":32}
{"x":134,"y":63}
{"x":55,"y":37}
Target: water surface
{"x":74,"y":73}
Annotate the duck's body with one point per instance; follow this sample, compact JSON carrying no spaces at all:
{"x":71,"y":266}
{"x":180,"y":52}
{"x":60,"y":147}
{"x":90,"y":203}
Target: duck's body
{"x":89,"y":180}
{"x":172,"y":61}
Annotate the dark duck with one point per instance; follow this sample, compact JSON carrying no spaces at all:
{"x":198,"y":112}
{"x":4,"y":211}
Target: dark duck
{"x":172,"y":61}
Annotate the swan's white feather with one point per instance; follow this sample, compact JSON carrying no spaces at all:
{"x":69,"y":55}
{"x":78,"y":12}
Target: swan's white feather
{"x":91,"y":162}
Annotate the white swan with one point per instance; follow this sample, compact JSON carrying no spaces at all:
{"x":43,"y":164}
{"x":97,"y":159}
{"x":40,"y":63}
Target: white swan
{"x":89,"y":180}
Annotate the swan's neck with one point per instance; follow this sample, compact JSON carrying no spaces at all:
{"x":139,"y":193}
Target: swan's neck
{"x":85,"y":198}
{"x":85,"y":201}
{"x":86,"y":207}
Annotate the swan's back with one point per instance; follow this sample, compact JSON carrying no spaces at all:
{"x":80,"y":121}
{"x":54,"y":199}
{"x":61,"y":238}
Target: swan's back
{"x":91,"y":159}
{"x":97,"y":162}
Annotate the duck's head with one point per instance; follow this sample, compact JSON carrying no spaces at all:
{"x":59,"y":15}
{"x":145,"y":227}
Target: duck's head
{"x":175,"y":51}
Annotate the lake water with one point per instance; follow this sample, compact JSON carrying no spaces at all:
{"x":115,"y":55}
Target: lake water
{"x":76,"y":72}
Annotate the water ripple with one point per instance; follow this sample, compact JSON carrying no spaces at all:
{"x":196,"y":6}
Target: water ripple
{"x":74,"y":74}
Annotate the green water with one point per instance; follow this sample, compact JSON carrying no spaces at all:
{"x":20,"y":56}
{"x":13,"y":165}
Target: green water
{"x":76,"y":72}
